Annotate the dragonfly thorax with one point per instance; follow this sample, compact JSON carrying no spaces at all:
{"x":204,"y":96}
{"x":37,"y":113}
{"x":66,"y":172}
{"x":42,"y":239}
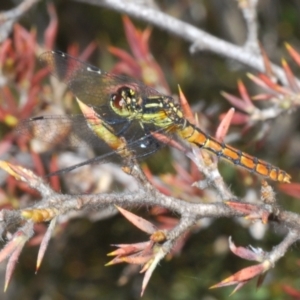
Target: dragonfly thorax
{"x":125,"y":103}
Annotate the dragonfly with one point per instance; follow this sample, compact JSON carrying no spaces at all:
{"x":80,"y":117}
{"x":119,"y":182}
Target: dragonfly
{"x":129,"y":111}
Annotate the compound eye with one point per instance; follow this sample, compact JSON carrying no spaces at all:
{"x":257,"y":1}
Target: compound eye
{"x":118,"y":100}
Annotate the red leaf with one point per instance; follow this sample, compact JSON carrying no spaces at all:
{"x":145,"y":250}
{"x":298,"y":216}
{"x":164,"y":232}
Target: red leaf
{"x":88,"y":51}
{"x":292,"y":189}
{"x":134,"y":37}
{"x":10,"y":101}
{"x":244,"y":93}
{"x":238,"y":118}
{"x":124,"y":68}
{"x":51,"y":31}
{"x":38,"y":165}
{"x":243,"y":276}
{"x":291,"y":291}
{"x":260,"y":97}
{"x":263,"y":84}
{"x":247,"y":253}
{"x":251,"y":211}
{"x":4,"y":50}
{"x":127,"y":61}
{"x":160,"y":254}
{"x":274,"y":86}
{"x":242,"y":207}
{"x":54,"y":180}
{"x":224,"y":125}
{"x":18,"y":172}
{"x":236,"y":102}
{"x":290,"y":76}
{"x":187,"y":111}
{"x":139,"y":222}
{"x":12,"y":262}
{"x":266,"y":60}
{"x":125,"y":249}
{"x":13,"y":249}
{"x":134,"y":259}
{"x":293,"y":53}
{"x":44,"y":243}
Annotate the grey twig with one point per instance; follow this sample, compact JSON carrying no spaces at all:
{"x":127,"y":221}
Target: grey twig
{"x":280,"y":250}
{"x":10,"y":17}
{"x":199,"y":39}
{"x":249,"y":12}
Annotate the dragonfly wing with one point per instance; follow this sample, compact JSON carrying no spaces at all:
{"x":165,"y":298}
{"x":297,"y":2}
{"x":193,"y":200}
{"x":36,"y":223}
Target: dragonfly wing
{"x":82,"y":79}
{"x":108,"y":157}
{"x":142,"y":147}
{"x":90,"y":84}
{"x":73,"y":132}
{"x":94,"y":88}
{"x":60,"y":131}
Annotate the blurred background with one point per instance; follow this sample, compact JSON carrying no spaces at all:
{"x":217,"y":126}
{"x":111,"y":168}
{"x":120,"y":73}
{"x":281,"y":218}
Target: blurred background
{"x":73,"y":267}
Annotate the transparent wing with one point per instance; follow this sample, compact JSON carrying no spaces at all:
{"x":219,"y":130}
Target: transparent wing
{"x":91,"y":85}
{"x":94,"y":88}
{"x":65,"y":131}
{"x":141,"y":148}
{"x":73,"y":132}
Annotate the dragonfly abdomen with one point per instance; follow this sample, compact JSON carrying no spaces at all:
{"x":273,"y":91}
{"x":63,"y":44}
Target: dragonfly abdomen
{"x":195,"y":136}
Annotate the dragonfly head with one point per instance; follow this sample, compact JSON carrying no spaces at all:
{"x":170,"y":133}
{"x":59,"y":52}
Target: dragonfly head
{"x":124,"y":102}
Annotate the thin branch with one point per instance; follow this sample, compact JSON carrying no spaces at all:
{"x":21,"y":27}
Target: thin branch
{"x":186,"y":222}
{"x":249,"y":11}
{"x":10,"y":17}
{"x":17,"y":12}
{"x":211,"y":172}
{"x":67,"y":203}
{"x":280,"y":250}
{"x":199,"y":39}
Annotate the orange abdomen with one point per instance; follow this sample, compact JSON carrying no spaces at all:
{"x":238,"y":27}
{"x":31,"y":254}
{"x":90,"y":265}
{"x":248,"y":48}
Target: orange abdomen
{"x":197,"y":137}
